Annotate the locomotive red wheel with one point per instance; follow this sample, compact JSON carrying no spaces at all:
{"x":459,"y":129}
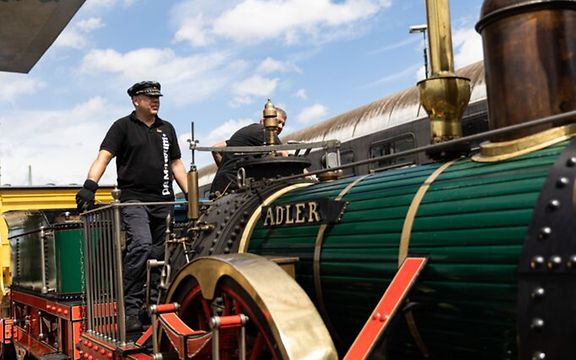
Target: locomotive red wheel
{"x":283,"y":323}
{"x":230,"y":300}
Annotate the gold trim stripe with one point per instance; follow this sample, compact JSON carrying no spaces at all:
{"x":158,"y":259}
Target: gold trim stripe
{"x":411,"y":214}
{"x":499,"y":151}
{"x":316,"y":265}
{"x":244,"y":240}
{"x":405,"y":244}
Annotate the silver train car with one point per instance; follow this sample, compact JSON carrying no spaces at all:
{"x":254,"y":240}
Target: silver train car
{"x":389,"y":125}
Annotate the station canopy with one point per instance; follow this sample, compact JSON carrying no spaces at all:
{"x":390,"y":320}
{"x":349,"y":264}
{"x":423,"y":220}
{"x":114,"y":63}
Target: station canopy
{"x":29,"y":27}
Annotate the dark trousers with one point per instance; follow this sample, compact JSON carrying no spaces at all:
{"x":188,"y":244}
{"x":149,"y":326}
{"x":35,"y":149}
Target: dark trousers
{"x":145,"y":228}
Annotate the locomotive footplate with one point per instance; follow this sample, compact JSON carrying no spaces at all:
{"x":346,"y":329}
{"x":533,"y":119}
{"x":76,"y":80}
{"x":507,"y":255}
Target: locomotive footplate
{"x":69,"y":298}
{"x":93,"y":347}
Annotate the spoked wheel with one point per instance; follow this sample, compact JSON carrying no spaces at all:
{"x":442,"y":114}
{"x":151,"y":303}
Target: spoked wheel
{"x":283,"y":323}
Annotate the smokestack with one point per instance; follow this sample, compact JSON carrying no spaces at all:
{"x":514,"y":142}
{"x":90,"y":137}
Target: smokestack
{"x":530,"y":65}
{"x":529,"y":59}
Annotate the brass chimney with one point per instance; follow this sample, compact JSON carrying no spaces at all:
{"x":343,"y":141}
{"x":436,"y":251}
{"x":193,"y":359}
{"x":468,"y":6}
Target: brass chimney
{"x":529,"y":59}
{"x":444,"y":95}
{"x":530,"y":65}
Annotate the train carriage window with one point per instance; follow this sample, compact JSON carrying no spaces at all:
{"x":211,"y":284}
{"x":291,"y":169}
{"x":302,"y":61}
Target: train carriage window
{"x":347,"y":157}
{"x":392,"y":146}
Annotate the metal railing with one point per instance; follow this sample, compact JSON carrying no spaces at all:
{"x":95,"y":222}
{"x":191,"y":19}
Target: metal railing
{"x":104,"y":274}
{"x":103,"y":244}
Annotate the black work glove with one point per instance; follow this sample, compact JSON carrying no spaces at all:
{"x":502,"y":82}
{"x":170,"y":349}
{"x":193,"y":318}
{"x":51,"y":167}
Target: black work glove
{"x":85,"y":197}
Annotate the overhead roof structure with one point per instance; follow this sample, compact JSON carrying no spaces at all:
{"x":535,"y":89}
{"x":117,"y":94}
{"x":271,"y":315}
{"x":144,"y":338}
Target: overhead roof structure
{"x":29,"y":27}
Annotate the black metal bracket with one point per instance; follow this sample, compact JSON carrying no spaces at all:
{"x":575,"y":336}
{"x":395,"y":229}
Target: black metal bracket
{"x":547,"y":268}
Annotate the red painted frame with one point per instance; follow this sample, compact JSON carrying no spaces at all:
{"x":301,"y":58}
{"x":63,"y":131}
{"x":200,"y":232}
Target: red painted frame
{"x":387,"y":307}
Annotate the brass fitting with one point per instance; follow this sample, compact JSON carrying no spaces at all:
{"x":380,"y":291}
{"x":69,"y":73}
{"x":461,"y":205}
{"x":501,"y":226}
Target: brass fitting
{"x":445,"y":98}
{"x":444,"y":95}
{"x":193,"y":194}
{"x":270,"y":122}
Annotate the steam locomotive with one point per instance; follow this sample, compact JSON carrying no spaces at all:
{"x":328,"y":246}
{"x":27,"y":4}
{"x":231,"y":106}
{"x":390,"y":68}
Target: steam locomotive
{"x":287,"y":267}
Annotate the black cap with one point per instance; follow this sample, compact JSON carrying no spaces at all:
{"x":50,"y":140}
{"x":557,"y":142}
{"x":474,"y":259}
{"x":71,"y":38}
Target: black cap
{"x":150,"y":88}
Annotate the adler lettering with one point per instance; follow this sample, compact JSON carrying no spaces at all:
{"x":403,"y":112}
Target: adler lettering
{"x":279,"y":215}
{"x":269,"y":219}
{"x":300,"y":219}
{"x":289,"y":214}
{"x":313,"y":213}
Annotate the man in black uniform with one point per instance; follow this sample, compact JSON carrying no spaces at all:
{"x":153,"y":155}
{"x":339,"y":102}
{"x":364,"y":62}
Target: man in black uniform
{"x":148,"y":159}
{"x":250,"y":135}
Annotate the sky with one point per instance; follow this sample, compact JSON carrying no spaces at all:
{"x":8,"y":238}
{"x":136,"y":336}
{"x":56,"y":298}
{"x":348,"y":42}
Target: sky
{"x":218,"y":63}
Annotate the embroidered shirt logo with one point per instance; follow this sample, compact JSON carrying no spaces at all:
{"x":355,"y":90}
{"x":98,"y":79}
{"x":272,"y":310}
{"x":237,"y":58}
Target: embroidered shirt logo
{"x":166,"y":182}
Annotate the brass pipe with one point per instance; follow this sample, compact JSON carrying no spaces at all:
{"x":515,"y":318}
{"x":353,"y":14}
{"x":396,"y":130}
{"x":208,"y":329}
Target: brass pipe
{"x":444,"y":95}
{"x":193,"y":194}
{"x":439,"y":37}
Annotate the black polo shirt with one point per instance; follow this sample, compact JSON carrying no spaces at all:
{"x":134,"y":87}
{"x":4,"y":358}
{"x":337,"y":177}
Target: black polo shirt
{"x":143,"y":156}
{"x":250,"y":135}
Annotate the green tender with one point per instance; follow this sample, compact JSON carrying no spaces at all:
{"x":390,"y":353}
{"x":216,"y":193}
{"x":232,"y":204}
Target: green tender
{"x":68,"y":243}
{"x":471,"y":223}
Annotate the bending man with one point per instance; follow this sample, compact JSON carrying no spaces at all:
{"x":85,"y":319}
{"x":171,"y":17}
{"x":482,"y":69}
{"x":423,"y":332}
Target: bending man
{"x":250,"y":135}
